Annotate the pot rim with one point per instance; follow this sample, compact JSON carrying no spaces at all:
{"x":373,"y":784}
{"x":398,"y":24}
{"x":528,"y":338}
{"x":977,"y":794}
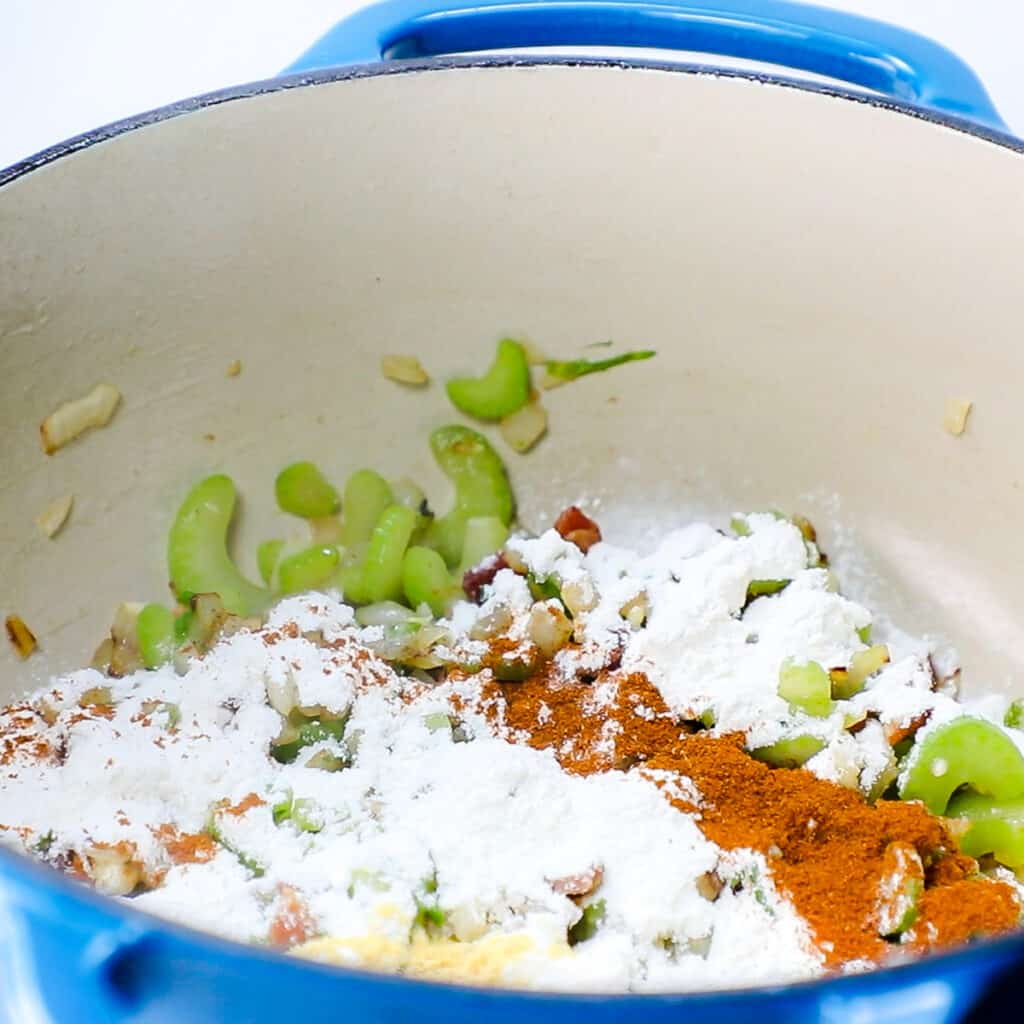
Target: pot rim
{"x":326,"y":76}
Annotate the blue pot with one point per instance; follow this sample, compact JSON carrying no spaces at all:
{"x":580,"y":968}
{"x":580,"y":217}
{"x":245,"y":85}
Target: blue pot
{"x":67,"y":954}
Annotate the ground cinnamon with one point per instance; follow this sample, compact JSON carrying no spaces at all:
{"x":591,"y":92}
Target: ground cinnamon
{"x":825,"y":844}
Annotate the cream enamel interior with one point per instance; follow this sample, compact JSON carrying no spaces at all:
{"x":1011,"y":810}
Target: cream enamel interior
{"x":818,"y":276}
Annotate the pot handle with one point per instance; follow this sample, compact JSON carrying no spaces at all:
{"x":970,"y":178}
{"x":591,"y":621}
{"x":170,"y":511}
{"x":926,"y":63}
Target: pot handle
{"x":861,"y":51}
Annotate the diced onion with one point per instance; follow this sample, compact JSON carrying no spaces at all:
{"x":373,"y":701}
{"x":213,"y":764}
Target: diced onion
{"x":234,"y":368}
{"x":55,"y":515}
{"x":525,"y":427}
{"x":73,"y":418}
{"x":404,"y":369}
{"x":549,"y":627}
{"x":957,"y":411}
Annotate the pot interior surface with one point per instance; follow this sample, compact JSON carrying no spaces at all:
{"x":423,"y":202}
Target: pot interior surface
{"x":818,"y":276}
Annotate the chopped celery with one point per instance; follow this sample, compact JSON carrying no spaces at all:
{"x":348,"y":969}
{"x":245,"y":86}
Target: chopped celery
{"x":371,"y":879}
{"x":437,"y":721}
{"x":848,"y":682}
{"x":326,"y":761}
{"x":304,"y":733}
{"x":1014,"y":717}
{"x":426,"y":580}
{"x":154,"y":630}
{"x":481,"y":487}
{"x":305,"y":815}
{"x":739,"y":526}
{"x":485,"y":535}
{"x":378,"y":577}
{"x":428,"y":917}
{"x":197,"y":553}
{"x":865,"y":634}
{"x":570,"y":369}
{"x":407,"y":492}
{"x":503,"y":389}
{"x":544,"y":588}
{"x":308,"y":569}
{"x":964,"y":752}
{"x":900,"y":890}
{"x":587,"y":926}
{"x":789,"y":753}
{"x":806,"y":687}
{"x":367,"y":495}
{"x":282,"y":810}
{"x":214,"y":831}
{"x":267,"y":555}
{"x":761,"y":588}
{"x":302,"y":490}
{"x":996,"y":827}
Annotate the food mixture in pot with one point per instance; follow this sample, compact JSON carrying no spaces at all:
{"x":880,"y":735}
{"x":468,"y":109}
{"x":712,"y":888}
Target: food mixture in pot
{"x":433,"y":747}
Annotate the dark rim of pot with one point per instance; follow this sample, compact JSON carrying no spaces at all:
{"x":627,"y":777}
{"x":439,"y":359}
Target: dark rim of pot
{"x":401,"y":67}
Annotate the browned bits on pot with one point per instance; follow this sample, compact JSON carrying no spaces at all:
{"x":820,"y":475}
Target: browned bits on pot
{"x":578,"y":528}
{"x":21,"y":637}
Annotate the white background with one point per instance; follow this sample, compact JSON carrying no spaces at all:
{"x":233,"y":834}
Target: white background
{"x":70,"y":65}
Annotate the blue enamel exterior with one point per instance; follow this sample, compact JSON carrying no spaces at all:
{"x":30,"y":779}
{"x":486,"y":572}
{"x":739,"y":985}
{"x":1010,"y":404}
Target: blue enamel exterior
{"x":68,"y":955}
{"x":845,"y":47}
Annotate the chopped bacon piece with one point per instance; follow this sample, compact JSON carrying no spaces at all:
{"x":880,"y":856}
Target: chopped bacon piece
{"x":581,"y":884}
{"x":578,"y":528}
{"x":474,"y":580}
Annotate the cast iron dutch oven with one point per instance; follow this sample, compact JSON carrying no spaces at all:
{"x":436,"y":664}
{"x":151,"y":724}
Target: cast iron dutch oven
{"x":819,"y":269}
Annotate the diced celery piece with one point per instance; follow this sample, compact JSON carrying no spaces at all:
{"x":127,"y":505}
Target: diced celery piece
{"x":302,"y":490}
{"x":964,"y":752}
{"x":789,"y":753}
{"x":381,"y":568}
{"x":544,"y":588}
{"x":197,"y":553}
{"x":503,"y":389}
{"x":267,"y":555}
{"x":1014,"y":717}
{"x":313,"y":730}
{"x":570,"y":369}
{"x":437,"y":721}
{"x":739,"y":526}
{"x":367,"y":495}
{"x":426,"y":580}
{"x":481,"y":487}
{"x":996,"y":827}
{"x":154,"y":630}
{"x":848,"y":682}
{"x":865,"y":634}
{"x":485,"y":535}
{"x":308,"y":569}
{"x":806,"y":687}
{"x":587,"y":926}
{"x":762,"y":588}
{"x":901,"y":887}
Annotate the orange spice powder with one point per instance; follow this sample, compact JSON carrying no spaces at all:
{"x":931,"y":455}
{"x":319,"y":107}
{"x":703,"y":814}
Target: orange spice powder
{"x":825,"y":843}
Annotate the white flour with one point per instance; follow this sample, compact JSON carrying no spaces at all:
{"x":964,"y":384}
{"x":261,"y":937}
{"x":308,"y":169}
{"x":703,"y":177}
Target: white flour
{"x":480,"y":829}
